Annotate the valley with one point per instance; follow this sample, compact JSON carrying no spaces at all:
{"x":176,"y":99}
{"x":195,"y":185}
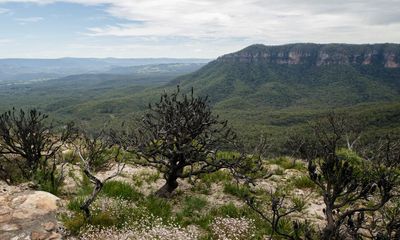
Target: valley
{"x":276,"y":89}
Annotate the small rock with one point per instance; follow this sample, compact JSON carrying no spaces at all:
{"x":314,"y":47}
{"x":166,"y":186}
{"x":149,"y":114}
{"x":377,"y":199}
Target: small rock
{"x":54,"y":236}
{"x":20,"y":237}
{"x":5,"y":217}
{"x":9,"y":227}
{"x":39,"y":235}
{"x":49,"y":226}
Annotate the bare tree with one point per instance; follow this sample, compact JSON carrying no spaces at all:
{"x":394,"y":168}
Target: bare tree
{"x":30,"y":136}
{"x":348,"y":190}
{"x":280,"y":208}
{"x":182,"y":138}
{"x":96,"y":152}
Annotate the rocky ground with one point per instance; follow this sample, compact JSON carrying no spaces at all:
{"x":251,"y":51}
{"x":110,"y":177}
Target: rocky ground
{"x":29,"y":214}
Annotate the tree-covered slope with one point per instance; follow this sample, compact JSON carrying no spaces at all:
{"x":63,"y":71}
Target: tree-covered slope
{"x":307,"y":75}
{"x":259,"y":89}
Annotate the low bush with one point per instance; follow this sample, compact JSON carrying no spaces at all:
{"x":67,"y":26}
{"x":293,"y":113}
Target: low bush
{"x":219,"y":176}
{"x":287,"y":163}
{"x":158,"y":207}
{"x":303,"y":182}
{"x":236,"y":190}
{"x":118,"y":189}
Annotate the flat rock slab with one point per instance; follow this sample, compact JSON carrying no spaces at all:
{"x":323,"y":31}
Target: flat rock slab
{"x":27,"y":214}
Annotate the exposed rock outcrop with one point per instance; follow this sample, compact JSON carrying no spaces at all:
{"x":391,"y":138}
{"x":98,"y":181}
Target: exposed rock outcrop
{"x":27,"y":214}
{"x":386,"y":55}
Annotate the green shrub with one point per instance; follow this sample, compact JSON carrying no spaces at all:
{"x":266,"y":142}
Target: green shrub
{"x":303,"y":182}
{"x":228,"y":210}
{"x":75,"y":223}
{"x":287,"y":163}
{"x":227,"y":155}
{"x":137,"y":180}
{"x":202,"y":188}
{"x":191,"y":210}
{"x":151,"y":177}
{"x":236,"y":190}
{"x":103,"y":219}
{"x":75,"y":204}
{"x":349,"y":156}
{"x":215,"y":177}
{"x":193,"y":204}
{"x":117,"y":189}
{"x":48,"y":183}
{"x":158,"y":207}
{"x":85,"y":186}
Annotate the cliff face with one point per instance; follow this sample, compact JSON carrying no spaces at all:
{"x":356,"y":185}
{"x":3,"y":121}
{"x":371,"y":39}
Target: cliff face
{"x":386,"y":55}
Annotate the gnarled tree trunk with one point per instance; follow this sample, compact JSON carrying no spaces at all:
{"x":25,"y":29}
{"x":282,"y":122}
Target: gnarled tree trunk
{"x":171,"y":183}
{"x":98,"y":186}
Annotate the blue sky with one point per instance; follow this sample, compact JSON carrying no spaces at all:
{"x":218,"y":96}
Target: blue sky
{"x":185,"y":28}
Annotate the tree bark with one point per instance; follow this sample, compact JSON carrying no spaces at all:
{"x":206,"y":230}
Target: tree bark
{"x":170,"y":185}
{"x":329,"y":230}
{"x":98,"y":186}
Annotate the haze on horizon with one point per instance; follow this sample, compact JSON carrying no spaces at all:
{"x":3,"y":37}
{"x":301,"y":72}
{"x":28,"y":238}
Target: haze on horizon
{"x":185,"y":28}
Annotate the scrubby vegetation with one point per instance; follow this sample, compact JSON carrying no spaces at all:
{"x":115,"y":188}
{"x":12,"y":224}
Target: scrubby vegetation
{"x":181,"y":173}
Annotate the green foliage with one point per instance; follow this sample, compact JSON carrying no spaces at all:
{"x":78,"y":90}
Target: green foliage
{"x":299,"y":203}
{"x":121,"y":190}
{"x":152,"y":177}
{"x":137,"y":180}
{"x":236,"y":190}
{"x":84,"y":185}
{"x":193,"y":203}
{"x":49,"y":181}
{"x":191,"y":210}
{"x":303,"y":182}
{"x":158,"y":207}
{"x":75,"y":223}
{"x":228,"y":210}
{"x":287,"y":163}
{"x":279,"y":171}
{"x":202,"y":188}
{"x":75,"y":203}
{"x":218,"y":176}
{"x":103,"y":219}
{"x":257,"y":97}
{"x":349,"y":156}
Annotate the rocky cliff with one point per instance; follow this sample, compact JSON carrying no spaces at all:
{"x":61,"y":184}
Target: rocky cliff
{"x":386,"y":55}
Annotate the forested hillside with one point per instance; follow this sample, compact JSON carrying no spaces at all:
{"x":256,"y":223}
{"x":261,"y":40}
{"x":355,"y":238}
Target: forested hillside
{"x":260,"y":89}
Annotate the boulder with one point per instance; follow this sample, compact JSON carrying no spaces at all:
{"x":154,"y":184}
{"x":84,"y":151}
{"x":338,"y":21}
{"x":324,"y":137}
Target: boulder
{"x":27,"y":214}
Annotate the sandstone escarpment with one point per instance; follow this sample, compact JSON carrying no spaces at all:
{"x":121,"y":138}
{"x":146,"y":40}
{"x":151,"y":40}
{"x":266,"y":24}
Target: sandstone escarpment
{"x":385,"y":55}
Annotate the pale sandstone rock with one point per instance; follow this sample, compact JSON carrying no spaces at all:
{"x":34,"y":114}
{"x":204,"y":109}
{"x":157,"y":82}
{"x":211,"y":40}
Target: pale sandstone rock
{"x":27,"y":214}
{"x":9,"y":227}
{"x":49,"y":226}
{"x":39,"y":235}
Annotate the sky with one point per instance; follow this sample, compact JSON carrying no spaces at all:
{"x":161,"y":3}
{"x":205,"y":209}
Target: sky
{"x":186,"y":28}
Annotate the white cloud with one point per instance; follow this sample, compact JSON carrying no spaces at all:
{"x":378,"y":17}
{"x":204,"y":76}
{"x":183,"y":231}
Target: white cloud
{"x":228,"y":24}
{"x":5,"y":11}
{"x":4,"y":41}
{"x":29,"y":20}
{"x":269,"y":20}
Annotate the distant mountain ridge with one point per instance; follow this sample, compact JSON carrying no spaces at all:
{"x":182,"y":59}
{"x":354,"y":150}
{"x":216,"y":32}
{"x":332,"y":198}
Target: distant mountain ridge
{"x":386,"y":55}
{"x":300,"y":75}
{"x":25,"y":69}
{"x":260,"y":89}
